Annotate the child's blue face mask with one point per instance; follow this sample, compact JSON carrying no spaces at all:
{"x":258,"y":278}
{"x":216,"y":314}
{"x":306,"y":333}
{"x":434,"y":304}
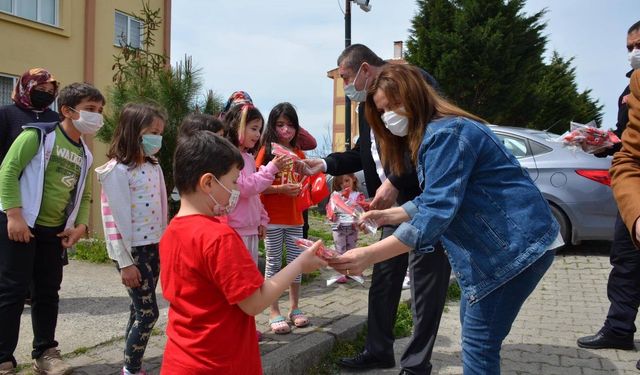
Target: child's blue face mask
{"x":151,"y":144}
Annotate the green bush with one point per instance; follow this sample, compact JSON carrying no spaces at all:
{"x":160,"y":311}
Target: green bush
{"x":454,"y":293}
{"x":404,"y":321}
{"x":93,"y":250}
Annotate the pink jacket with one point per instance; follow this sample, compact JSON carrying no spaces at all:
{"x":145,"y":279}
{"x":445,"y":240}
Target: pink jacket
{"x":249,"y":213}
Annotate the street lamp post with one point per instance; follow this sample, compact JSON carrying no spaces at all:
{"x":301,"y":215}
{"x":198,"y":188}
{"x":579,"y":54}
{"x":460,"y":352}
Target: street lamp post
{"x":364,"y":5}
{"x":347,"y":101}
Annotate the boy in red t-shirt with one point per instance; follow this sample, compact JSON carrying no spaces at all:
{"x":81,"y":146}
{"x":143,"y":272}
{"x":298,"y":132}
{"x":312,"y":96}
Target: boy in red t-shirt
{"x":214,"y":289}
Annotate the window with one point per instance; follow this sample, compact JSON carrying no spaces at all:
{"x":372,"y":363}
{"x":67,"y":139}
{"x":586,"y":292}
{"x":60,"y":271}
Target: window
{"x":7,"y":83}
{"x":517,"y":146}
{"x":128,"y":30}
{"x":43,"y":11}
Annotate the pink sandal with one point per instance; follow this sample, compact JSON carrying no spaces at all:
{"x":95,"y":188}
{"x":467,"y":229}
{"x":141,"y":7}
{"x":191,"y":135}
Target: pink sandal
{"x":279,"y":325}
{"x":298,"y":318}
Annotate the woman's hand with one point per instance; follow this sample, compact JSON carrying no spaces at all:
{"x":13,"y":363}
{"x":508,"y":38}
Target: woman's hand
{"x":262,"y":230}
{"x":377,"y":216}
{"x":353,"y":262}
{"x":390,"y":216}
{"x":131,"y":277}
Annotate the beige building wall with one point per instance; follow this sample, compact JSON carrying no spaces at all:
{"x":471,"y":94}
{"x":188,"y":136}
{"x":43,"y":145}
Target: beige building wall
{"x":79,"y":49}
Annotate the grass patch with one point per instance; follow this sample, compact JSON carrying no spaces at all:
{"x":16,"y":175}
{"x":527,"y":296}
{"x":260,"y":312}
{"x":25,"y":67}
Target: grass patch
{"x":329,"y":363}
{"x":323,"y":235}
{"x":309,"y":277}
{"x":454,"y":292}
{"x":404,"y":321}
{"x":80,"y":350}
{"x":341,"y":349}
{"x":92,"y":250}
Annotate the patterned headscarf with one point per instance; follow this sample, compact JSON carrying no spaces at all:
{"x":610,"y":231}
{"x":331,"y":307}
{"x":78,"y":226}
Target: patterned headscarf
{"x":30,"y":79}
{"x":239,"y":98}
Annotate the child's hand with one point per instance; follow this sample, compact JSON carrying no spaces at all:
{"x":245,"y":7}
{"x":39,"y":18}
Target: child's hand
{"x":309,"y":260}
{"x":291,"y":190}
{"x":262,"y":230}
{"x":17,"y":228}
{"x":71,"y":235}
{"x":131,"y":277}
{"x":283,"y":162}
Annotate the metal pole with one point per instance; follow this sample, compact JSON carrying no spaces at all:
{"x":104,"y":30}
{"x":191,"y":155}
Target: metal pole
{"x":347,"y":101}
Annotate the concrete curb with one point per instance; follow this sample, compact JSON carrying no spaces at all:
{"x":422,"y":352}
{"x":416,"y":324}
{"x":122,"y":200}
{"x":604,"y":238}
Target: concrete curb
{"x":308,"y":351}
{"x":299,"y":355}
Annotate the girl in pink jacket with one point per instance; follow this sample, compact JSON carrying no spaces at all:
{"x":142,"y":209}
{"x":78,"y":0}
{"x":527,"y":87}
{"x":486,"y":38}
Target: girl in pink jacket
{"x":249,"y":218}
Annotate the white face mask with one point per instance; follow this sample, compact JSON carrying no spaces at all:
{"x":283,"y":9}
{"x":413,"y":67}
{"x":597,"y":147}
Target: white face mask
{"x":89,"y":122}
{"x":352,"y":93}
{"x":634,"y":58}
{"x":397,"y":124}
{"x":220,"y":210}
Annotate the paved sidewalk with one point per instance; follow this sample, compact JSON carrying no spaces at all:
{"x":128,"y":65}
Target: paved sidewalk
{"x":570,"y":302}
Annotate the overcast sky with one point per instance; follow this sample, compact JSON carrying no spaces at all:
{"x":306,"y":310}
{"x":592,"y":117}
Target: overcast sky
{"x":280,"y":50}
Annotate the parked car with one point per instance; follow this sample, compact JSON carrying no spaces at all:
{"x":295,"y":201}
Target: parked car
{"x":577,"y":185}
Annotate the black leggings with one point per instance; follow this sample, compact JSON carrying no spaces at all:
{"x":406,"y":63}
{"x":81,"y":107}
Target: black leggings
{"x":143,"y":307}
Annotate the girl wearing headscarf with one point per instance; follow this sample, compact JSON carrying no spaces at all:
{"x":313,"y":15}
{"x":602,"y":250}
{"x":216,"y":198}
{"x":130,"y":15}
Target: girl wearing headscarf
{"x":32,"y":97}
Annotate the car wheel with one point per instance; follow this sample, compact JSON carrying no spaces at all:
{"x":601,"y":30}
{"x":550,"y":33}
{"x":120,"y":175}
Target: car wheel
{"x":565,"y":226}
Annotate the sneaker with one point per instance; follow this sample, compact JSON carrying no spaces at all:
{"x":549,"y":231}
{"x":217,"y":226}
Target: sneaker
{"x":342,"y":279}
{"x":127,"y":372}
{"x":406,"y":284}
{"x":51,"y":363}
{"x":6,"y":368}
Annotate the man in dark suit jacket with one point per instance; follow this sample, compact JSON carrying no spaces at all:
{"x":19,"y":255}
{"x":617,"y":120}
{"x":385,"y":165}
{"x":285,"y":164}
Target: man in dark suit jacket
{"x":359,"y":66}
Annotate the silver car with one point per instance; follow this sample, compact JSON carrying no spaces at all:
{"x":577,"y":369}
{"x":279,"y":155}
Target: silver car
{"x":576,"y":184}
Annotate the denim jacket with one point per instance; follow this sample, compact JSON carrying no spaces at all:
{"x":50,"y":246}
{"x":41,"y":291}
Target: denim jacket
{"x":476,"y":198}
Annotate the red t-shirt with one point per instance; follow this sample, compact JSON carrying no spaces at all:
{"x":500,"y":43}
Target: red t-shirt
{"x":204,"y":276}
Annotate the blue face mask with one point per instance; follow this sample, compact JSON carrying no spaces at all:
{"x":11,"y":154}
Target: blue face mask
{"x":151,"y":144}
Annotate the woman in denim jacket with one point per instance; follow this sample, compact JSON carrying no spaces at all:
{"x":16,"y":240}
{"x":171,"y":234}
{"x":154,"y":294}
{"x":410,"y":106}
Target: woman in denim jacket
{"x":493,"y":221}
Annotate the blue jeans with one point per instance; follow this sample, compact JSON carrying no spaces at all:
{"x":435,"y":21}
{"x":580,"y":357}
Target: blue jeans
{"x":486,"y":323}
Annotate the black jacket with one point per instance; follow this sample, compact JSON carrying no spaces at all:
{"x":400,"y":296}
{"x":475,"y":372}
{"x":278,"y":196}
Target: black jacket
{"x":12,"y":118}
{"x":360,"y":158}
{"x":621,"y":125}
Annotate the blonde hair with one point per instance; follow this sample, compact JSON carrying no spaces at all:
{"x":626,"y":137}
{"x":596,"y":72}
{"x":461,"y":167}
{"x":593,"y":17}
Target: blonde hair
{"x":405,"y":86}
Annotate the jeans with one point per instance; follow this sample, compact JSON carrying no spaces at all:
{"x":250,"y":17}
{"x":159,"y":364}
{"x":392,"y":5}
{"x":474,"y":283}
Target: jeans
{"x":486,"y":323}
{"x":36,"y":265}
{"x":623,"y":287}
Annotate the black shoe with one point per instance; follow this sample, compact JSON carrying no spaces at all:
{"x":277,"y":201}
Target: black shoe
{"x":365,"y":360}
{"x":405,"y":372}
{"x":603,"y":341}
{"x":638,"y":365}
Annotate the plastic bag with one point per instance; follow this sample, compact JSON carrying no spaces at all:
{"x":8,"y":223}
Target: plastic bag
{"x":340,"y":205}
{"x":589,"y":138}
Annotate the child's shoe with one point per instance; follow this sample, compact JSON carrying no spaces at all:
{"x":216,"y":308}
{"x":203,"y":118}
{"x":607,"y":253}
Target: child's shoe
{"x":51,"y":363}
{"x":6,"y":368}
{"x":127,"y":372}
{"x":342,"y":279}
